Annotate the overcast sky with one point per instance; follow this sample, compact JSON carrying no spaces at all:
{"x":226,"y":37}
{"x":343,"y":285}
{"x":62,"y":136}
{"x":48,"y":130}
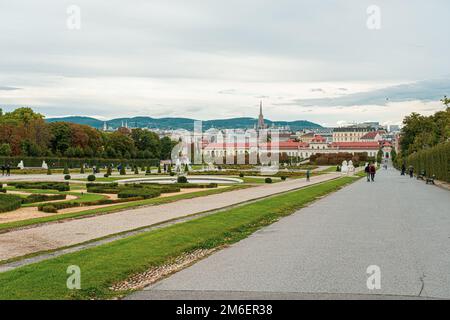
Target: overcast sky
{"x":313,"y":60}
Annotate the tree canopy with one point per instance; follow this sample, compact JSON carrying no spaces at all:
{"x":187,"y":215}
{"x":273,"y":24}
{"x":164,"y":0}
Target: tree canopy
{"x":422,"y":132}
{"x":24,"y":132}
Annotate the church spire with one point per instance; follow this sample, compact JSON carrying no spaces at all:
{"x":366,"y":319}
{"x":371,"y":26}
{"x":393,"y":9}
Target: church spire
{"x":261,"y":124}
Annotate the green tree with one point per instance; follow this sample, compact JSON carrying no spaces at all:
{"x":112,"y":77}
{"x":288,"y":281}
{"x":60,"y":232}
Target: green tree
{"x":5,"y":149}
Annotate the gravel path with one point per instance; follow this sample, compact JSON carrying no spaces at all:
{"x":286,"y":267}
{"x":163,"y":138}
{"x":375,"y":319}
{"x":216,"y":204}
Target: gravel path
{"x":56,"y":235}
{"x":323,"y":251}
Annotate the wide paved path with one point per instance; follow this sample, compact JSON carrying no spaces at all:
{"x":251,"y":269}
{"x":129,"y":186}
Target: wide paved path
{"x":56,"y":235}
{"x":323,"y":251}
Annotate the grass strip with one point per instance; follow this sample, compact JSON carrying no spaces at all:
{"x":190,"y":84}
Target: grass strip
{"x":110,"y":263}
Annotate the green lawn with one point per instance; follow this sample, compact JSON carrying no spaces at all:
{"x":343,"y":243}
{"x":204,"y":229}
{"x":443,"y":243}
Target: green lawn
{"x":257,"y":179}
{"x":115,"y":208}
{"x":107,"y":264}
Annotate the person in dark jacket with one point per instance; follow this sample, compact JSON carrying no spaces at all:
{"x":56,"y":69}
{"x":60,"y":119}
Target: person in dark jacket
{"x":366,"y":170}
{"x":372,"y":171}
{"x":411,"y":171}
{"x":403,"y":169}
{"x":308,"y":175}
{"x":8,"y":170}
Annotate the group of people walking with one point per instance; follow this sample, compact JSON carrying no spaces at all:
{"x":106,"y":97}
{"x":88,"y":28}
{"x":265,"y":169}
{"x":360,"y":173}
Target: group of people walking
{"x":6,"y":168}
{"x":410,"y":170}
{"x":370,"y":171}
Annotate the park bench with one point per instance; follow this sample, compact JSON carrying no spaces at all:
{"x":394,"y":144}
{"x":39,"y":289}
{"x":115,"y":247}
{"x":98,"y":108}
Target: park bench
{"x":421,"y":175}
{"x":430,"y":180}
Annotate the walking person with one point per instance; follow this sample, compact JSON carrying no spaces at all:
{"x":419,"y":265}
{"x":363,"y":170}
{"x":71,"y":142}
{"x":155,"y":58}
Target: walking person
{"x":403,"y":170}
{"x":411,"y":171}
{"x":367,"y":171}
{"x":308,"y":174}
{"x":372,"y":171}
{"x":8,"y":170}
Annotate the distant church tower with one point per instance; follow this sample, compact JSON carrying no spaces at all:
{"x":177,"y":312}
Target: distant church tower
{"x":261,"y":124}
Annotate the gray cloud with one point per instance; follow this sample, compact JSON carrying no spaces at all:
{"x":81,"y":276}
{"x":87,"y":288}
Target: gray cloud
{"x":427,"y":90}
{"x":5,"y":88}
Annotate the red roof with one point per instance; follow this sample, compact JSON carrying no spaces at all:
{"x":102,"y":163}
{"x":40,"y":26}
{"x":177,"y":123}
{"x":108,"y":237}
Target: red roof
{"x":318,"y":138}
{"x":355,"y":145}
{"x":290,"y":144}
{"x":229,"y":145}
{"x":370,"y":135}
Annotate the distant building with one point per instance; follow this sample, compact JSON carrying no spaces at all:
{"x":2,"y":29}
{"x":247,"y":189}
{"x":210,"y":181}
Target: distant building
{"x":372,"y":136}
{"x":350,"y":134}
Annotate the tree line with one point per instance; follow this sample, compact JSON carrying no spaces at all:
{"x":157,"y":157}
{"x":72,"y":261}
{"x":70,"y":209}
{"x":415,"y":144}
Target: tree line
{"x":24,"y":132}
{"x":421,"y":132}
{"x":425,"y":143}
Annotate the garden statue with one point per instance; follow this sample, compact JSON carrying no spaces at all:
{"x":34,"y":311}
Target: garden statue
{"x":344,"y":167}
{"x":44,"y":165}
{"x":21,"y":165}
{"x":351,"y":168}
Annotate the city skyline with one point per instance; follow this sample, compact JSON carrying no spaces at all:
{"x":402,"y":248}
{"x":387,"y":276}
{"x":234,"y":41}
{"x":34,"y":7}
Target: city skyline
{"x":320,"y":63}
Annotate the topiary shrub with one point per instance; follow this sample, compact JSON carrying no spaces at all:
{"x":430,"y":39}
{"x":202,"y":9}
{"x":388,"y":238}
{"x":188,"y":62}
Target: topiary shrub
{"x":106,"y":175}
{"x":9,"y":202}
{"x":59,"y":205}
{"x":268,"y":180}
{"x":122,"y":171}
{"x":66,"y":169}
{"x":182,"y":179}
{"x":241,"y":175}
{"x":82,"y":169}
{"x":49,"y":171}
{"x":172,"y":173}
{"x":67,"y":177}
{"x":60,"y":186}
{"x":136,"y":170}
{"x":49,"y":209}
{"x":91,"y":177}
{"x":33,"y":198}
{"x":145,"y":193}
{"x":283,"y":178}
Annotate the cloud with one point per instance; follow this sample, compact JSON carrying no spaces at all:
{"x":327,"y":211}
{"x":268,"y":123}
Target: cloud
{"x":4,"y":88}
{"x":427,"y":90}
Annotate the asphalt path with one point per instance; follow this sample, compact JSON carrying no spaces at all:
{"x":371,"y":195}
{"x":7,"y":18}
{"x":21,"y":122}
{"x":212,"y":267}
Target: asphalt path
{"x":397,"y":225}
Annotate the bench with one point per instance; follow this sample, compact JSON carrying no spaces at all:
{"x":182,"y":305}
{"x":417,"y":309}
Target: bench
{"x":430,"y":180}
{"x":421,"y":175}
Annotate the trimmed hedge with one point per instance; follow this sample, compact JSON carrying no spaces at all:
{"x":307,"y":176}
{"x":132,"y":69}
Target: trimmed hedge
{"x":59,"y":206}
{"x":435,"y":161}
{"x":59,"y":186}
{"x":145,"y":193}
{"x":110,"y":201}
{"x":163,"y":188}
{"x":106,"y":185}
{"x":103,"y":190}
{"x":9,"y":202}
{"x":33,"y":198}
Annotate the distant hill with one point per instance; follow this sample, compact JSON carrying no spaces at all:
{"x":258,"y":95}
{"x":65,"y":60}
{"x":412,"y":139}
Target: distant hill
{"x":184,"y":123}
